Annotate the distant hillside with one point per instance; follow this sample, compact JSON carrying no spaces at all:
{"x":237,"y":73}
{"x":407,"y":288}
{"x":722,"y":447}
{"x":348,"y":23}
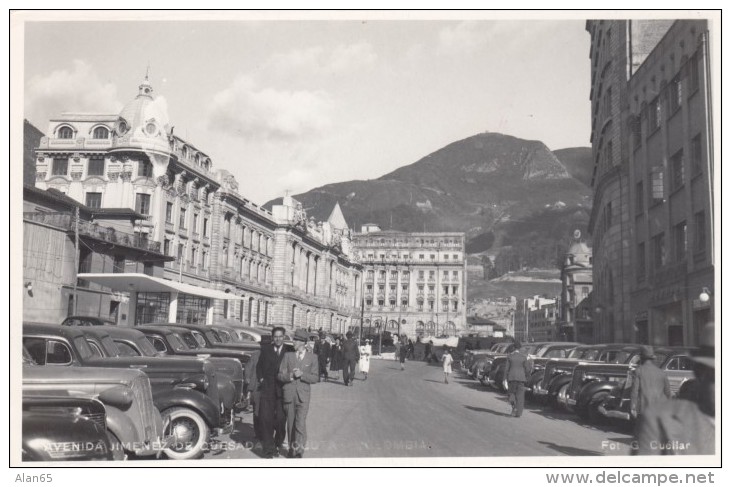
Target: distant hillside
{"x":496,"y":188}
{"x":577,"y":161}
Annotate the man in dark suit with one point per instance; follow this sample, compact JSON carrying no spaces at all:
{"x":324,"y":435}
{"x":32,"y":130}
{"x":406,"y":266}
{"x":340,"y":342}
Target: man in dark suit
{"x":296,"y":372}
{"x":272,"y":426}
{"x":517,"y":371}
{"x":351,"y":355}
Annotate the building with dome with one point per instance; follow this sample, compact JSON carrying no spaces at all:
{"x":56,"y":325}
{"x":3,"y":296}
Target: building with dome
{"x":575,"y":323}
{"x":220,"y":249}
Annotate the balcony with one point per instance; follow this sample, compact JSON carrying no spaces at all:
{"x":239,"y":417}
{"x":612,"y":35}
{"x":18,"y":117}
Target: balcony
{"x":65,"y":221}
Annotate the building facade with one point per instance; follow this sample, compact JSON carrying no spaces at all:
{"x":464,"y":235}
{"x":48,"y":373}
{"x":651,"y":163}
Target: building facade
{"x":617,"y":48}
{"x":414,"y":283}
{"x":576,"y":286}
{"x":536,"y":319}
{"x":223,"y":248}
{"x":671,"y":188}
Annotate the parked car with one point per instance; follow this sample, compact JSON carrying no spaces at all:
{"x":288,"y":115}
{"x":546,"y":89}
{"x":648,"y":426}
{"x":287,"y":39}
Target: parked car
{"x":485,"y":363}
{"x":539,"y":353}
{"x":208,"y":337}
{"x":134,"y":425}
{"x":186,"y":394}
{"x":64,"y":428}
{"x":78,"y":320}
{"x":676,"y":365}
{"x":132,"y":342}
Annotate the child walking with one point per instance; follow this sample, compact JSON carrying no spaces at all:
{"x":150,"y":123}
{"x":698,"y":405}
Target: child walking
{"x":447,"y":364}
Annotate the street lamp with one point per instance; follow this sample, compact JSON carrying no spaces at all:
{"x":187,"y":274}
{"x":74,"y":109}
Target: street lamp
{"x":705,"y":295}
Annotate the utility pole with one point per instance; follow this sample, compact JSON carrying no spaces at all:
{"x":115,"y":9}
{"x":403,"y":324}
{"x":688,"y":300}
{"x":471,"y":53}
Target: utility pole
{"x":77,"y":251}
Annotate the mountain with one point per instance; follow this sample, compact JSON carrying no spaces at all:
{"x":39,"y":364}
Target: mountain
{"x":498,"y":189}
{"x":577,"y":161}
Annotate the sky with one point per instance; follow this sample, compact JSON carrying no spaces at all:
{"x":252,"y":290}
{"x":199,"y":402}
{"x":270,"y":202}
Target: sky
{"x":294,"y":105}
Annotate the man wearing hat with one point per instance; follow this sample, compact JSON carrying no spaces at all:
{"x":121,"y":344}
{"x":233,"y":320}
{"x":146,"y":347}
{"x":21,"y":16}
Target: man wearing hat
{"x":297,"y":371}
{"x":685,"y":427}
{"x":351,"y":355}
{"x":650,"y":385}
{"x":517,"y":370}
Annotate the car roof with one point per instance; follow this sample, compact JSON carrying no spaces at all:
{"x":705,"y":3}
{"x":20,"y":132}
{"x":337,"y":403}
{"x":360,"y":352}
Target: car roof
{"x":88,"y":317}
{"x":69,"y":332}
{"x":162,"y":328}
{"x":114,"y":332}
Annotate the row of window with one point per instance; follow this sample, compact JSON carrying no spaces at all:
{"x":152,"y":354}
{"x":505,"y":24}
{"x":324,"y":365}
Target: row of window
{"x":394,"y":256}
{"x":248,"y":238}
{"x":95,"y":167}
{"x":406,"y":274}
{"x":420,"y":289}
{"x":183,"y":219}
{"x":419,"y":305}
{"x":419,"y":241}
{"x":659,"y":251}
{"x":66,"y":132}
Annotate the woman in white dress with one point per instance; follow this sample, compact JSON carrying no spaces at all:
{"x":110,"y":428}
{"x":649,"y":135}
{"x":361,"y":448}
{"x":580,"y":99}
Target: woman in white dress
{"x":364,"y":364}
{"x":447,"y":364}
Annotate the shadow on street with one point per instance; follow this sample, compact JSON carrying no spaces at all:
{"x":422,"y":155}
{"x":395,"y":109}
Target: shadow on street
{"x":485,"y":410}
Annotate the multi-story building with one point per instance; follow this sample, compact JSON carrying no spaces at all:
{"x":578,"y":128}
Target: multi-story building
{"x":671,"y":188}
{"x":414,"y":283}
{"x":223,"y":247}
{"x":62,"y":238}
{"x":536,"y":319}
{"x":617,"y":48}
{"x":653,"y":173}
{"x":576,"y":285}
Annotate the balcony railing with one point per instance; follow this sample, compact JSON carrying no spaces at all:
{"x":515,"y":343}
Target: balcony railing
{"x":108,"y":234}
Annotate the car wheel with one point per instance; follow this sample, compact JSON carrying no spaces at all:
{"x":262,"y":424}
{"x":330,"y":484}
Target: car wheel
{"x":190,"y":433}
{"x":116,"y":447}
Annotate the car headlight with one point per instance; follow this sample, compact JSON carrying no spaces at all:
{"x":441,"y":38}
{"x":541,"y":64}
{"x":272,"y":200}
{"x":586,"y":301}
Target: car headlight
{"x":120,"y":397}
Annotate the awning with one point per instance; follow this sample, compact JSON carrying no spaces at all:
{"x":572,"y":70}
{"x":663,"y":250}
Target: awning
{"x":142,"y":283}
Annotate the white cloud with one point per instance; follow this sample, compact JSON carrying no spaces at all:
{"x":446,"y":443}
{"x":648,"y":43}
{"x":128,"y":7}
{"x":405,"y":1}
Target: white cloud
{"x":339,"y":59}
{"x":78,"y":89}
{"x":244,"y":109}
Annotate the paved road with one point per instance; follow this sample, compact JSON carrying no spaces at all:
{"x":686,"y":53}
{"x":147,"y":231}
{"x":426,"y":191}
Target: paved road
{"x":412,"y":413}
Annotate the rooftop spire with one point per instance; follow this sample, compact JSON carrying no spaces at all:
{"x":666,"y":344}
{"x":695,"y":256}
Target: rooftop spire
{"x":145,"y":89}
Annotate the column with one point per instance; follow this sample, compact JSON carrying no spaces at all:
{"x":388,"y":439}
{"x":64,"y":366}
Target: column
{"x":173,"y":308}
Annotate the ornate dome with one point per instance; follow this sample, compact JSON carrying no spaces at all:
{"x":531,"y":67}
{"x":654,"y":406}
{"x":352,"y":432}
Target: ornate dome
{"x":142,"y":123}
{"x":580,"y":253}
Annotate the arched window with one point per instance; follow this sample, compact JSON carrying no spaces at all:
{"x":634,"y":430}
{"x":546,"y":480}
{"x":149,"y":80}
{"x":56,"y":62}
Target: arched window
{"x":101,"y":133}
{"x":65,"y":132}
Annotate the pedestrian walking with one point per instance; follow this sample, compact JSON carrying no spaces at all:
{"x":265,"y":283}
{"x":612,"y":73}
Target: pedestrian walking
{"x":403,"y":351}
{"x":681,"y":426}
{"x":427,"y":351}
{"x":364,"y":364}
{"x":252,"y":393}
{"x":517,"y":371}
{"x":296,"y":372}
{"x":397,"y":351}
{"x":336,"y":358}
{"x":410,"y":350}
{"x":650,"y":385}
{"x":323,"y":351}
{"x":272,"y":423}
{"x":351,"y":355}
{"x":447,"y":364}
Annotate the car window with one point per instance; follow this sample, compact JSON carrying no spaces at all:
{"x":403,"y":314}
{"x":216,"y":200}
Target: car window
{"x":246,"y":337}
{"x":83,"y":348}
{"x":57,"y":353}
{"x":591,"y":354}
{"x":142,"y":345}
{"x":36,"y":348}
{"x":178,"y":343}
{"x":213,"y":336}
{"x":157,"y":343}
{"x":96,"y":352}
{"x":684,"y":363}
{"x":555,"y":353}
{"x":126,"y":350}
{"x":576,"y":353}
{"x":199,"y":338}
{"x":224,"y":336}
{"x":111,"y":347}
{"x":672,"y":364}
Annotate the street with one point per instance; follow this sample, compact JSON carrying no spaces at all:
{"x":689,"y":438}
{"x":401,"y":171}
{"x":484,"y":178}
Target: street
{"x":412,"y":413}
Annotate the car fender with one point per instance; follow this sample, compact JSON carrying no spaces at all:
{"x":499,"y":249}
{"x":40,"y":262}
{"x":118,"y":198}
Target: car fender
{"x":190,"y":399}
{"x":557,"y":383}
{"x":226,"y":391}
{"x":592,"y":388}
{"x":122,"y":426}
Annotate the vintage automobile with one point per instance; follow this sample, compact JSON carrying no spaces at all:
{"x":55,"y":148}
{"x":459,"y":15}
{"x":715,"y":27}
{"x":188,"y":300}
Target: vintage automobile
{"x":591,"y":382}
{"x":132,"y":342}
{"x":676,"y":365}
{"x":208,"y":337}
{"x":485,"y":363}
{"x":134,"y":425}
{"x":185,"y":392}
{"x":539,"y":353}
{"x":557,"y":372}
{"x":64,"y":428}
{"x":76,"y":320}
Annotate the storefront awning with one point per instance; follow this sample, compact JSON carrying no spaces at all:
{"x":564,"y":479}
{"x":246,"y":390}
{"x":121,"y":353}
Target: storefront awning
{"x":142,"y":283}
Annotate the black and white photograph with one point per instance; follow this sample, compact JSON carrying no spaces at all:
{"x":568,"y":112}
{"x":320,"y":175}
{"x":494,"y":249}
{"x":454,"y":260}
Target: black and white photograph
{"x":335,"y":238}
